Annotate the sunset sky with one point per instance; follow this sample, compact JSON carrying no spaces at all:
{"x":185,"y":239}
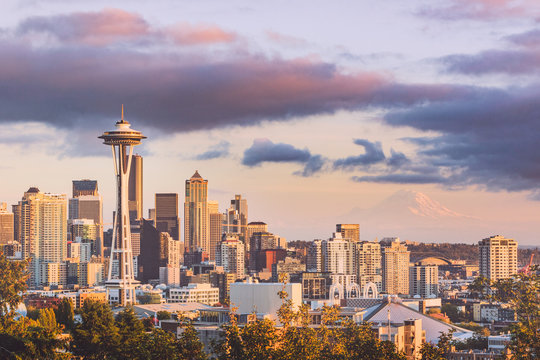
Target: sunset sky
{"x":313,"y":110}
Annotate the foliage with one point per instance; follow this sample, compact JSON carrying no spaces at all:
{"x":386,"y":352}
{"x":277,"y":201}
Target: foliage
{"x":477,"y":341}
{"x":439,"y":351}
{"x":189,"y":346}
{"x":65,"y":314}
{"x":164,"y":315}
{"x":25,"y":338}
{"x":480,"y":287}
{"x":453,"y":313}
{"x":523,"y":294}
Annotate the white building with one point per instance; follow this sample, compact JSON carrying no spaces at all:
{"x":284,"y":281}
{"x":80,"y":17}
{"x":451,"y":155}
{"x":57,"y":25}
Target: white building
{"x":230,"y":255}
{"x":169,"y":275}
{"x":194,"y":293}
{"x":263,"y":298}
{"x":498,"y":257}
{"x":338,"y":255}
{"x":395,"y":267}
{"x":90,"y":274}
{"x":424,"y":280}
{"x":368,"y":263}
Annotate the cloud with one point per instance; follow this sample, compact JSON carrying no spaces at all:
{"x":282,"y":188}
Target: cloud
{"x":401,"y":179}
{"x":217,"y":151}
{"x":110,"y":26}
{"x":529,"y":38}
{"x":482,"y":9}
{"x":397,"y":159}
{"x":494,"y":61}
{"x":487,"y":140}
{"x":314,"y":165}
{"x":264,"y":150}
{"x":286,"y":40}
{"x":373,"y":155}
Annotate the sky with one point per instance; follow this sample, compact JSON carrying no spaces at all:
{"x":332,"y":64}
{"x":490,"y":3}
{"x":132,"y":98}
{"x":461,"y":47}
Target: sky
{"x":315,"y":111}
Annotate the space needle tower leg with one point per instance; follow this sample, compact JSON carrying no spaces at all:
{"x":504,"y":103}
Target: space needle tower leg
{"x":120,"y":280}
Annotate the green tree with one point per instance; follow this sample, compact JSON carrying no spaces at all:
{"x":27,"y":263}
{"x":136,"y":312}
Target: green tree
{"x":439,"y":351}
{"x":164,"y":315}
{"x":131,"y":335}
{"x":96,"y":337}
{"x":189,"y":346}
{"x":523,"y":294}
{"x":160,"y":345}
{"x":480,"y":287}
{"x":65,"y":314}
{"x":25,"y":338}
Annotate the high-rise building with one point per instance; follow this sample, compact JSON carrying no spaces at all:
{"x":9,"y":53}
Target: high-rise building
{"x":395,"y":266}
{"x":259,"y":242}
{"x":241,"y":207}
{"x":215,"y":231}
{"x":135,"y":188}
{"x":498,"y":257}
{"x":424,"y":280}
{"x":314,"y":259}
{"x":167,"y":219}
{"x":85,"y":187}
{"x":349,"y":231}
{"x":230,"y":255}
{"x":255,"y":227}
{"x":368,"y":264}
{"x":41,"y":221}
{"x":6,"y":225}
{"x":338,"y":255}
{"x":87,"y":203}
{"x":196,"y":229}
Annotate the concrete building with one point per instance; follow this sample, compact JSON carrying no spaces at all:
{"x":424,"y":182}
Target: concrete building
{"x":216,"y":223}
{"x":169,"y":275}
{"x":314,"y":259}
{"x":395,"y":266}
{"x":262,"y":298}
{"x":424,"y":280}
{"x":41,"y":223}
{"x":349,"y":232}
{"x":316,"y":285}
{"x":498,"y":257}
{"x":6,"y":225}
{"x":196,"y":223}
{"x":194,"y":293}
{"x":87,"y":203}
{"x":255,"y":227}
{"x":90,"y":274}
{"x":338,"y":255}
{"x":407,"y":336}
{"x":166,"y":216}
{"x":368,"y":264}
{"x":230,"y":255}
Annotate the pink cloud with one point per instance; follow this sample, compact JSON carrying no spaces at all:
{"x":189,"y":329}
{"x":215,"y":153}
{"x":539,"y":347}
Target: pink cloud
{"x":484,"y":9}
{"x":286,"y":40}
{"x":111,"y":26}
{"x":185,"y":34}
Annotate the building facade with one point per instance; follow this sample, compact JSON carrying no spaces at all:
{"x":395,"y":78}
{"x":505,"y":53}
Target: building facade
{"x":6,"y":225}
{"x":424,"y":280}
{"x":368,"y":263}
{"x":196,"y":229}
{"x":498,"y":257}
{"x":349,"y":231}
{"x":166,"y":215}
{"x":230,"y":255}
{"x":395,"y":267}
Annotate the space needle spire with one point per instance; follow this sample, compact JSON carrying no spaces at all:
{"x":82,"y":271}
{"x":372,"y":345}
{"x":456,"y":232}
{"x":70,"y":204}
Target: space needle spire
{"x":120,"y":280}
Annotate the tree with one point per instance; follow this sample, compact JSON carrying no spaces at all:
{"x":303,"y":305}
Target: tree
{"x":189,"y":345}
{"x":439,"y":351}
{"x":25,"y":338}
{"x":65,"y":314}
{"x":523,"y":293}
{"x":97,"y":336}
{"x":480,"y":287}
{"x":131,"y":335}
{"x":164,"y":315}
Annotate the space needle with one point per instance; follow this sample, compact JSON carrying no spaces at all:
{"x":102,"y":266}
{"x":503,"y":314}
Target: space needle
{"x":120,"y":280}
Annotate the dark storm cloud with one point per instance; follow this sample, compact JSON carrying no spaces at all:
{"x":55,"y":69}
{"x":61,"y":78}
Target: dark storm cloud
{"x":489,"y":139}
{"x":372,"y":154}
{"x":264,"y":150}
{"x":218,"y":151}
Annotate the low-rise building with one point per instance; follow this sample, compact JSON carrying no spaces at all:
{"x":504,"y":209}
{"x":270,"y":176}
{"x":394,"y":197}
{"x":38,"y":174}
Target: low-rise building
{"x":194,"y":293}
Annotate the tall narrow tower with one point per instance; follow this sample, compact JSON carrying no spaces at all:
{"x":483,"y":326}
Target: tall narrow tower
{"x":121,"y":283}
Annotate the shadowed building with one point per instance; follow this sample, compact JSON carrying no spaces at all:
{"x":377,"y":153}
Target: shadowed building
{"x":166,"y":216}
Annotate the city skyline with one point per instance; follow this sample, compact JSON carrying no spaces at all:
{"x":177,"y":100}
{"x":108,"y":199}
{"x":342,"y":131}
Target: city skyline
{"x":438,"y":99}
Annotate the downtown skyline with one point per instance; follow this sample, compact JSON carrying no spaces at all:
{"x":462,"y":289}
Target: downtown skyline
{"x":308,"y":113}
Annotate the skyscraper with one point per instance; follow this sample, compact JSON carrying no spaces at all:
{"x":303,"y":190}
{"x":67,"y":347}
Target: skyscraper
{"x":167,"y":219}
{"x":42,"y":231}
{"x":395,"y":266}
{"x":135,"y":191}
{"x":338,"y":255}
{"x":349,"y":231}
{"x":6,"y":224}
{"x":196,"y":232}
{"x":87,"y":203}
{"x":121,"y":285}
{"x":368,"y":264}
{"x":216,"y":222}
{"x":84,"y":187}
{"x":241,"y":206}
{"x":498,"y":257}
{"x":230,"y":255}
